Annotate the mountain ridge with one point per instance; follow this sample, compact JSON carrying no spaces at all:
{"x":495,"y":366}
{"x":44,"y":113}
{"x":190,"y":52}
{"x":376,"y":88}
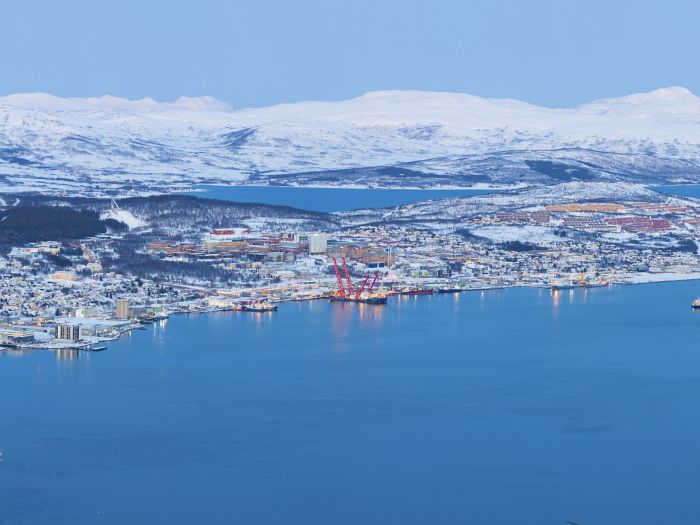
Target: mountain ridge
{"x":209,"y":103}
{"x":50,"y":143}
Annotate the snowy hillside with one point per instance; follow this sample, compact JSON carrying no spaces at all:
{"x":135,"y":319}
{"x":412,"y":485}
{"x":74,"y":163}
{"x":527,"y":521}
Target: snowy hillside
{"x":108,"y":145}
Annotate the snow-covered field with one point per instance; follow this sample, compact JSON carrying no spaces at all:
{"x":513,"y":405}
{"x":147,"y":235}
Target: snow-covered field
{"x":647,"y":278}
{"x":111,"y":146}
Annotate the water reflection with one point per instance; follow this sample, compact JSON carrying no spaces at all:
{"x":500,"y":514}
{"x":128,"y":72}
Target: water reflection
{"x":555,"y":302}
{"x":341,"y":319}
{"x":370,"y":312}
{"x":260,"y":318}
{"x":14,"y":352}
{"x":348,"y":318}
{"x":66,"y":354}
{"x":584,"y":295}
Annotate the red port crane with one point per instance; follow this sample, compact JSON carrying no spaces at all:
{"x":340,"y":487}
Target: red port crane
{"x":347,"y":277}
{"x":341,"y":288}
{"x":352,"y":295}
{"x":362,"y":288}
{"x":374,"y":281}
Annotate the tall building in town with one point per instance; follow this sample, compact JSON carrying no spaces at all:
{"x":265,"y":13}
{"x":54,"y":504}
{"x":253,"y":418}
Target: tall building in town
{"x":122,"y":309}
{"x":68,"y":332}
{"x":318,"y":243}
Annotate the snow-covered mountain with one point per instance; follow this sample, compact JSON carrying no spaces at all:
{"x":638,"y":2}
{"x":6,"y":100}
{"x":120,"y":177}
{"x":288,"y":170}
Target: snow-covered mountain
{"x":109,"y":145}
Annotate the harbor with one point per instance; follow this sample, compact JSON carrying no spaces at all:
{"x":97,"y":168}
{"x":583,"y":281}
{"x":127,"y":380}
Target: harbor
{"x":234,"y":394}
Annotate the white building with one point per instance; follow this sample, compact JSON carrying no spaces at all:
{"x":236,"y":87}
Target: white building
{"x":318,"y":243}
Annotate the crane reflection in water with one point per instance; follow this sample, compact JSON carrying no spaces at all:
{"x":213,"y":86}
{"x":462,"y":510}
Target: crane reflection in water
{"x":350,"y":319}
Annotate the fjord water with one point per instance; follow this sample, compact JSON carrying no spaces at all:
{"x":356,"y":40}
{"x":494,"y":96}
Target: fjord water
{"x":680,"y":190}
{"x":512,"y":406}
{"x":327,"y":199}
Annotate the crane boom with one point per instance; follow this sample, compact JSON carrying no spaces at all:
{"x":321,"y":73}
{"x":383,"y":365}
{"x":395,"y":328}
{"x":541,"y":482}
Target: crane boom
{"x":374,"y":281}
{"x":359,"y":292}
{"x":341,"y":288}
{"x":347,"y":277}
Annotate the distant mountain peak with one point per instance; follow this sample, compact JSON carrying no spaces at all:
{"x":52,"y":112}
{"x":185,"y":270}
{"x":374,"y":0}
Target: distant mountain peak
{"x":668,"y":94}
{"x":444,"y":97}
{"x":204,"y":103}
{"x":676,"y":97}
{"x":47,"y":102}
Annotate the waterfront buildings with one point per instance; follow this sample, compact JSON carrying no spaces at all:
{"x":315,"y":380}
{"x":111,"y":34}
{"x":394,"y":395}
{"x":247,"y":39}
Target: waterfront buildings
{"x":15,"y":337}
{"x":110,"y":283}
{"x":68,"y":332}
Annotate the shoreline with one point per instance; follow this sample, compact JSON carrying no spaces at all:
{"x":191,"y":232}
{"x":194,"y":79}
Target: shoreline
{"x":479,"y":186}
{"x":103,"y":342}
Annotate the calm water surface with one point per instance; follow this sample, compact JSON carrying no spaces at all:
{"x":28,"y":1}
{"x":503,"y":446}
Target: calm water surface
{"x":502,"y":407}
{"x":327,"y":199}
{"x":682,"y":190}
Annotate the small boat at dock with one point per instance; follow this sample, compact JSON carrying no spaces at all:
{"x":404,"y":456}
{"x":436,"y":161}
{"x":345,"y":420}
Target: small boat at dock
{"x":95,"y":348}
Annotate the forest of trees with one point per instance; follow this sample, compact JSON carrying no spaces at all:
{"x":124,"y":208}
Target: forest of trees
{"x":23,"y":224}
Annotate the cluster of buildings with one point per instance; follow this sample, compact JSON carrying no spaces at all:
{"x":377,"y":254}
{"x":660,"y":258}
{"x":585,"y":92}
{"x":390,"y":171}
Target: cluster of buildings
{"x":84,"y":304}
{"x":633,"y":217}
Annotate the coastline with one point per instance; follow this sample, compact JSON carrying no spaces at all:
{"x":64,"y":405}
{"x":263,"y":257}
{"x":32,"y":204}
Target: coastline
{"x":479,"y":186}
{"x":648,"y":278}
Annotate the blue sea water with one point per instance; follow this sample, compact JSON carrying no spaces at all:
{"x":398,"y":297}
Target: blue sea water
{"x":326,"y":199}
{"x":681,"y":190}
{"x":499,"y":407}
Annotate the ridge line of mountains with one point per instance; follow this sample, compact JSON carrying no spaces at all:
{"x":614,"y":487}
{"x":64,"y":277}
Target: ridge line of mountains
{"x":111,"y":146}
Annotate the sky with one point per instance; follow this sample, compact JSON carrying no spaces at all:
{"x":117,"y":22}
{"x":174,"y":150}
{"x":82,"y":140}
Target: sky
{"x":260,"y":52}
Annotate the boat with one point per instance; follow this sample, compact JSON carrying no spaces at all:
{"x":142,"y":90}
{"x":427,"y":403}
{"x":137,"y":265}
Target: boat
{"x":448,"y":289}
{"x":418,"y":291}
{"x":695,"y":305}
{"x":375,"y":299}
{"x":97,"y":348}
{"x":368,"y":299}
{"x":339,"y":299}
{"x":562,"y":286}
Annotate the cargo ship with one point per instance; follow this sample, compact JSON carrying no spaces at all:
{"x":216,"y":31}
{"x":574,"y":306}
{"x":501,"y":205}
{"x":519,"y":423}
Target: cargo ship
{"x":565,"y":286}
{"x":373,"y":299}
{"x":417,"y":291}
{"x":448,"y":289}
{"x":367,"y":299}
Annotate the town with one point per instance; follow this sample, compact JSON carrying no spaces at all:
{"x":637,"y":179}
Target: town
{"x":79,"y":294}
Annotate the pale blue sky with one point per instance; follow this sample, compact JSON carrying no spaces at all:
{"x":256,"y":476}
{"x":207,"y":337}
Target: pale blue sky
{"x":260,"y":52}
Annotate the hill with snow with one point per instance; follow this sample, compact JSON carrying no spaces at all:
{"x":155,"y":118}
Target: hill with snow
{"x":112,"y":146}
